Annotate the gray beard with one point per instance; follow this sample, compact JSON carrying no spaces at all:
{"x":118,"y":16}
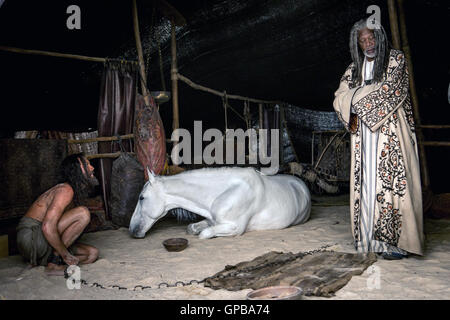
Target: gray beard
{"x":373,"y":55}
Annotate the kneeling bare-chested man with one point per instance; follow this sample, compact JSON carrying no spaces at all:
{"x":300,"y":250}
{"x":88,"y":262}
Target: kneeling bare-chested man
{"x":47,"y":232}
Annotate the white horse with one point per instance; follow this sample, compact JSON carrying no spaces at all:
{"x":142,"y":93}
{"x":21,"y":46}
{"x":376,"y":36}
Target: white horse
{"x":232,"y":201}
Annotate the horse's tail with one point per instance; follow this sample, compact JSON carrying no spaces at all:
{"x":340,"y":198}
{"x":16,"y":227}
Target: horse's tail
{"x":184,"y":215}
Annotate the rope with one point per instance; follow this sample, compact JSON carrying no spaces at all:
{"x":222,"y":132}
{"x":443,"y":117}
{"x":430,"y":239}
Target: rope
{"x":237,"y":113}
{"x":161,"y":69}
{"x":225,"y":105}
{"x":247,"y":114}
{"x":284,"y":123}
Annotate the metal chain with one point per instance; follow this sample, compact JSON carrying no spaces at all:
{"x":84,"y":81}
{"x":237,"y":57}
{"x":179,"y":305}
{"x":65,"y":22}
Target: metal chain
{"x":139,"y":287}
{"x":191,"y":282}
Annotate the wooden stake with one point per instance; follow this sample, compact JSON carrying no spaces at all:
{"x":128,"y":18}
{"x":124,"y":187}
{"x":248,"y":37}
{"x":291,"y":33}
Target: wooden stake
{"x":140,"y":53}
{"x":414,"y":99}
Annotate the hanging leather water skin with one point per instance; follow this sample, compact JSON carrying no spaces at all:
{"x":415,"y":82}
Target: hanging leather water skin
{"x":149,"y":136}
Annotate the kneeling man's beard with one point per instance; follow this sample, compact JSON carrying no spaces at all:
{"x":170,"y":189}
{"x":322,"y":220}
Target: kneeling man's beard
{"x":92,"y":181}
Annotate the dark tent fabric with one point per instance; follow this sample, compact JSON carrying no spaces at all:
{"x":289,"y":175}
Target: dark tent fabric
{"x":115,"y":115}
{"x":28,"y":167}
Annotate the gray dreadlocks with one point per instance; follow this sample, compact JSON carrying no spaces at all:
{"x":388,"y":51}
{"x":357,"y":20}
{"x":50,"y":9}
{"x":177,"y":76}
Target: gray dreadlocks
{"x":382,"y":48}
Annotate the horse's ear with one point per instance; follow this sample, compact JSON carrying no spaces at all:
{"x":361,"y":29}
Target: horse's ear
{"x":150,"y":175}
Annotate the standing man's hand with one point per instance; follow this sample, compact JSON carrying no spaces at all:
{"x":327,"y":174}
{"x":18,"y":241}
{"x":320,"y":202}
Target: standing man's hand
{"x":353,"y":123}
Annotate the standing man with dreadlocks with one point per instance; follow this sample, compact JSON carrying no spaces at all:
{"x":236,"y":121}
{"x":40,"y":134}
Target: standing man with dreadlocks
{"x":374,"y":105}
{"x":47,"y":232}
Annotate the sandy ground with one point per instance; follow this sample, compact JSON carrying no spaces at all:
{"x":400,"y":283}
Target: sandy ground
{"x":129,"y":262}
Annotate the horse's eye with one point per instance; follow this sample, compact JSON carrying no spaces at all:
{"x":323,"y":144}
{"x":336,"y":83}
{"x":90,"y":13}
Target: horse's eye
{"x":141,"y":198}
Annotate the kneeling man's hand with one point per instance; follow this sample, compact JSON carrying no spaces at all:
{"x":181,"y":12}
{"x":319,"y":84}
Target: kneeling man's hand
{"x":70,"y":259}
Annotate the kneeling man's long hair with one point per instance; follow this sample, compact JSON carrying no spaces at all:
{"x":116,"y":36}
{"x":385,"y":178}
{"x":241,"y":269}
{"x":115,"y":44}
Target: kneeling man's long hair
{"x":72,"y":174}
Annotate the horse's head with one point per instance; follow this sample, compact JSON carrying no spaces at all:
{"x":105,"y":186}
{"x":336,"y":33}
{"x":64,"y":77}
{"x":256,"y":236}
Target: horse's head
{"x":149,"y":209}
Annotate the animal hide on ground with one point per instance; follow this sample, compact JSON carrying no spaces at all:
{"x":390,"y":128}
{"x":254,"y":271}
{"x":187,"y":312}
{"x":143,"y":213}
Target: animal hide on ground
{"x":318,"y":274}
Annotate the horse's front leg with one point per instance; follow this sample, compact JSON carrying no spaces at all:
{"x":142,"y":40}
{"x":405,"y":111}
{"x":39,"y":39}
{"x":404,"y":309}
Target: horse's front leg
{"x":220,"y":230}
{"x":230,"y":212}
{"x":196,"y":228}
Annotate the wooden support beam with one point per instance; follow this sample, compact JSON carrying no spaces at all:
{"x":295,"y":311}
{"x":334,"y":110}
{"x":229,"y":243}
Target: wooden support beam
{"x":137,"y":36}
{"x":414,"y":98}
{"x":437,"y":143}
{"x":434,"y":126}
{"x":60,"y":55}
{"x":392,"y":7}
{"x":174,"y":78}
{"x":105,"y":155}
{"x":89,"y":140}
{"x":221,"y":94}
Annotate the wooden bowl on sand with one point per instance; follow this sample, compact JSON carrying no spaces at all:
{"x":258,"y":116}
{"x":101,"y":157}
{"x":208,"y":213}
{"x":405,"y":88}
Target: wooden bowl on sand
{"x":175,"y":244}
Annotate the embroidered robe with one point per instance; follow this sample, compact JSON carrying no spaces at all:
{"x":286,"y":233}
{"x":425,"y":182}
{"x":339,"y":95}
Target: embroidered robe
{"x":385,"y":108}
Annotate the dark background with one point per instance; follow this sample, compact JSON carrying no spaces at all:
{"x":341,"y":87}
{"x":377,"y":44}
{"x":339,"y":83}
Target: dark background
{"x":287,"y":50}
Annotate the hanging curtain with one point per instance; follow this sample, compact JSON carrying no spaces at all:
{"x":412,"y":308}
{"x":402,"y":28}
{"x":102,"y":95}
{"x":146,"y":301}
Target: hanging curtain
{"x":115,"y":115}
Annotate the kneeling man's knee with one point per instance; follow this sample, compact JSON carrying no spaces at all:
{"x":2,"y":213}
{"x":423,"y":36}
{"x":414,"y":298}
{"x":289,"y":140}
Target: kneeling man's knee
{"x":93,"y":254}
{"x":84,"y":214}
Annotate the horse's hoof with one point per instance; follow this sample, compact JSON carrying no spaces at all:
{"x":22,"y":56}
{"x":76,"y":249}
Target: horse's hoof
{"x":206,"y":234}
{"x":190,"y":230}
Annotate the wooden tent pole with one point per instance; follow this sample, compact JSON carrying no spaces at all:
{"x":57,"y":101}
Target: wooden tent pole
{"x":394,"y":24}
{"x":140,"y":53}
{"x":414,"y":98}
{"x":174,"y":78}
